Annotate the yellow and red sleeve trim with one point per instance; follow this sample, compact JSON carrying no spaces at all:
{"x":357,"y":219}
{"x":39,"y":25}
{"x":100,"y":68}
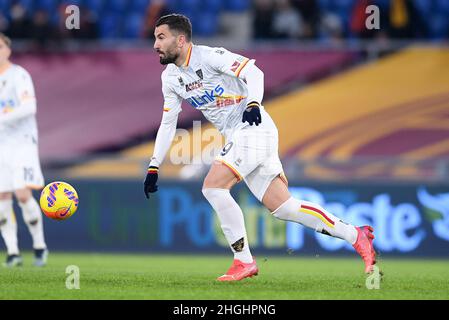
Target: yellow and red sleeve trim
{"x":237,"y":72}
{"x":234,"y":171}
{"x":253,"y":104}
{"x":189,"y":54}
{"x":153,"y":170}
{"x":317,"y":213}
{"x":167,"y":109}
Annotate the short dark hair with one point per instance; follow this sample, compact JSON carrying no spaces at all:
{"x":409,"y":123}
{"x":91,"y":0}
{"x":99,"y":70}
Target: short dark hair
{"x":177,"y":22}
{"x":6,"y":40}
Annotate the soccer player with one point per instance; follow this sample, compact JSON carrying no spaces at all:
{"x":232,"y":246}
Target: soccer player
{"x":20,"y":170}
{"x":228,"y":89}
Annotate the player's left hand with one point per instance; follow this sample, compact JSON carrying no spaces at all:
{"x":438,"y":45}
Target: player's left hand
{"x":252,"y":114}
{"x":149,"y":185}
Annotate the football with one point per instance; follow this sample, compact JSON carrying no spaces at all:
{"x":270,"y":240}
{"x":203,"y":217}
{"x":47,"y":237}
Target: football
{"x":59,"y":200}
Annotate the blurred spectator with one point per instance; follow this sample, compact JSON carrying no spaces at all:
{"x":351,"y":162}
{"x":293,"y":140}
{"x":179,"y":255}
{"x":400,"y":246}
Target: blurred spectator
{"x":310,"y":12}
{"x":271,"y":19}
{"x":42,"y":31}
{"x":402,"y":17}
{"x":331,"y":27}
{"x":155,"y":10}
{"x":20,"y":25}
{"x":263,"y":19}
{"x":88,"y":25}
{"x":358,"y":19}
{"x":4,"y":24}
{"x":287,"y":22}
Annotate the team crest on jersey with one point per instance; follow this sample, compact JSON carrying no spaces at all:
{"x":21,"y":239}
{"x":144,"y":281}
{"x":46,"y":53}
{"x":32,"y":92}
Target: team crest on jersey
{"x":200,"y":73}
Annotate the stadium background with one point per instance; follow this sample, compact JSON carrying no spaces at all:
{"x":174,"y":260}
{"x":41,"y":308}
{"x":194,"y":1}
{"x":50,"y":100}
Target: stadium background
{"x":363,"y":118}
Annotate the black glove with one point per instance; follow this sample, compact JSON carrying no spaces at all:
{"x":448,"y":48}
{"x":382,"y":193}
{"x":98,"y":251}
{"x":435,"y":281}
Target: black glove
{"x":150,"y":186}
{"x":252,"y":114}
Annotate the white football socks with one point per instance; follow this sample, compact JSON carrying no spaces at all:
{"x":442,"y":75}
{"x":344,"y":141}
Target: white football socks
{"x":8,"y":227}
{"x":314,"y":216}
{"x":33,"y":219}
{"x":232,"y":222}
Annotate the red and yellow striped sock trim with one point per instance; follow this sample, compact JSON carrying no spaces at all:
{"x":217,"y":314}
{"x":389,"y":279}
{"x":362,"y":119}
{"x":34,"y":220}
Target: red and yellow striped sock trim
{"x":153,"y":170}
{"x":317,"y":213}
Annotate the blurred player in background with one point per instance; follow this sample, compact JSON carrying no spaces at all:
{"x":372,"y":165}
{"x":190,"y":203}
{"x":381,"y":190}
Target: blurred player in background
{"x":20,"y":170}
{"x":228,"y":89}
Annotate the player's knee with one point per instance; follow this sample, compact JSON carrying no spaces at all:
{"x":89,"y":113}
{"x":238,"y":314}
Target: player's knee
{"x":23,"y":196}
{"x":3,"y":217}
{"x":5,"y":209}
{"x":212,"y":182}
{"x":206,"y":192}
{"x":217,"y":182}
{"x":5,"y":196}
{"x":31,"y":211}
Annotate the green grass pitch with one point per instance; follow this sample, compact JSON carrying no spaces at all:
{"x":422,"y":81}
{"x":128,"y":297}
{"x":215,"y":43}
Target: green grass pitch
{"x":114,"y":276}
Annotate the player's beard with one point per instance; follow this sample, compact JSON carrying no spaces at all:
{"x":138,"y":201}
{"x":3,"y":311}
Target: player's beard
{"x":168,"y":58}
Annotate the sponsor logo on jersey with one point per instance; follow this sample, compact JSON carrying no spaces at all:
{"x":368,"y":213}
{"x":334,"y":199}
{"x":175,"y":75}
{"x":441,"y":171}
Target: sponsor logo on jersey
{"x":181,"y":82}
{"x":194,"y":85}
{"x":7,"y":105}
{"x":209,"y":96}
{"x":225,"y":101}
{"x":235,"y":66}
{"x":237,"y":63}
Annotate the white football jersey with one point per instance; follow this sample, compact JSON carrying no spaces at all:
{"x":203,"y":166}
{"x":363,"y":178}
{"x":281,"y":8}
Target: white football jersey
{"x":211,"y":80}
{"x":17,"y":91}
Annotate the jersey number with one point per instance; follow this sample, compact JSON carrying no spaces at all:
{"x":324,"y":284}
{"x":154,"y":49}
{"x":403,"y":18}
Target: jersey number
{"x":28,"y":174}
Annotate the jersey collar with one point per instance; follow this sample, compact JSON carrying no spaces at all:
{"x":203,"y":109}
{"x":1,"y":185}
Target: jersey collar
{"x":5,"y":68}
{"x":189,"y":56}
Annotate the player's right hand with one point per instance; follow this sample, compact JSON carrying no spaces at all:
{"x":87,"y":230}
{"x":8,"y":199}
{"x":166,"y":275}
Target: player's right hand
{"x":149,"y":185}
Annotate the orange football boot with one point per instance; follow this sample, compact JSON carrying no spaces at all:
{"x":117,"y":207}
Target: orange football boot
{"x":240,"y":270}
{"x":364,"y":247}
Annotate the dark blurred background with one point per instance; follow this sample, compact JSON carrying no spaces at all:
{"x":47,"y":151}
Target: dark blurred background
{"x":43,"y":21}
